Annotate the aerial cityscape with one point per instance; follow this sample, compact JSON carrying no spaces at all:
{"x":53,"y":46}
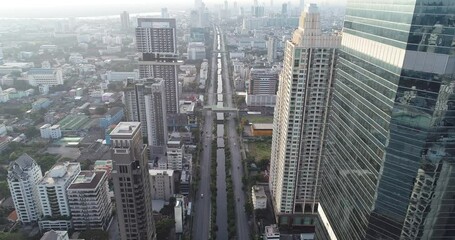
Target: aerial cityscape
{"x":227,"y":120}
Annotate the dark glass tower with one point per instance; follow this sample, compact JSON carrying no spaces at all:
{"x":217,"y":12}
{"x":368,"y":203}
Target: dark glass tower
{"x":390,"y":167}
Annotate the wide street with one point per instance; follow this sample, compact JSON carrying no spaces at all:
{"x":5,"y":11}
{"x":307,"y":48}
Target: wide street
{"x":234,"y":144}
{"x":201,"y":218}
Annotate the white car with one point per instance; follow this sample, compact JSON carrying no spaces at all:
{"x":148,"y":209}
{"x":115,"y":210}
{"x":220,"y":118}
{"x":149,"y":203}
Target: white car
{"x":202,"y":195}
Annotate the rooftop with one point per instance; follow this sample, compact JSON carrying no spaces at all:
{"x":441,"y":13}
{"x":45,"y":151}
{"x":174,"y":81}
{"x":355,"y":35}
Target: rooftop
{"x":60,"y":173}
{"x":87,"y":180}
{"x":259,"y":191}
{"x":33,"y":71}
{"x":20,"y":165}
{"x":263,"y":126}
{"x":271,"y":231}
{"x":125,"y":128}
{"x":154,"y":172}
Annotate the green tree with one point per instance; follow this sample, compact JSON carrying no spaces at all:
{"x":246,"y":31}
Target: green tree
{"x":94,"y":235}
{"x":163,"y":227}
{"x":9,"y":236}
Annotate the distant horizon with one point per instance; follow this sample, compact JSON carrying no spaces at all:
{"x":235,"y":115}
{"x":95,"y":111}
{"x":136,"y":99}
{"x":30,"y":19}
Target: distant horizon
{"x":87,"y":10}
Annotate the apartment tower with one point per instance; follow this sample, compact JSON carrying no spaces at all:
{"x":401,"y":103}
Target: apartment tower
{"x":23,"y":177}
{"x":145,"y":102}
{"x":303,"y":100}
{"x":53,"y":197}
{"x":131,"y":183}
{"x":89,"y":201}
{"x":389,"y":169}
{"x":156,"y":40}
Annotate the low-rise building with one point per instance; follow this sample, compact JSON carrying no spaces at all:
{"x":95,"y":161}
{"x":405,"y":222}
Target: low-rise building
{"x":50,"y":131}
{"x":179,"y":213}
{"x":42,"y":76}
{"x":258,"y":197}
{"x":4,"y":143}
{"x":103,"y":165}
{"x":89,"y":201}
{"x":121,"y":76}
{"x":262,"y":129}
{"x":113,"y":116}
{"x":271,"y":232}
{"x":41,"y":103}
{"x":55,"y":235}
{"x":162,"y":184}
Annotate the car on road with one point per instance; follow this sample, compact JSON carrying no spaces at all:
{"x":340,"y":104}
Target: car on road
{"x":202,"y":195}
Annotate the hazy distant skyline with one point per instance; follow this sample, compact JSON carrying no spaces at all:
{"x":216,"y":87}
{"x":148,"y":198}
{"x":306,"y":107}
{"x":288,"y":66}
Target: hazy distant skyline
{"x":87,"y":8}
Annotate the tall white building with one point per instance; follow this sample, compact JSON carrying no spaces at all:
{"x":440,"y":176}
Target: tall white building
{"x":162,"y":183}
{"x":145,"y":102}
{"x":175,"y":151}
{"x":41,"y":76}
{"x":300,"y":118}
{"x":90,"y":204}
{"x":23,"y":177}
{"x":53,"y":196}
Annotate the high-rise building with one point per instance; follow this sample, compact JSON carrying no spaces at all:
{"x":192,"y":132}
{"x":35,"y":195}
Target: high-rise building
{"x":89,"y":201}
{"x":131,"y":183}
{"x":53,"y":196}
{"x":197,"y":4}
{"x":300,"y":118}
{"x":145,"y":102}
{"x":156,"y":41}
{"x":284,"y":9}
{"x":164,"y":13}
{"x":23,"y":177}
{"x":125,"y":20}
{"x":271,"y":49}
{"x":302,"y":5}
{"x":389,"y":169}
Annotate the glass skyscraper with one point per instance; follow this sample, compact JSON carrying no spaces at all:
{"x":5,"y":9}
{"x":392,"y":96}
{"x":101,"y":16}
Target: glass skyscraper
{"x":389,"y":169}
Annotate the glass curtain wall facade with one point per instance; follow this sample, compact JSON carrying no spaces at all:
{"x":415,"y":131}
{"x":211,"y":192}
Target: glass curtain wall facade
{"x":389,"y":166}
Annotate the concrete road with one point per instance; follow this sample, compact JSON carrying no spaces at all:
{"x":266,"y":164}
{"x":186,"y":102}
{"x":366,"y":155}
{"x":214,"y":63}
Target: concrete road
{"x":201,"y":218}
{"x":243,"y":231}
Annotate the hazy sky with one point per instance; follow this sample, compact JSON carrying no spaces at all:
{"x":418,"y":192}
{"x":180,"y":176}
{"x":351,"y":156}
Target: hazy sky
{"x":78,"y":8}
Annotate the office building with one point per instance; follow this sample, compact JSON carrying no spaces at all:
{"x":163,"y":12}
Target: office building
{"x":131,"y":183}
{"x":145,"y":102}
{"x":300,"y":120}
{"x":156,"y":42}
{"x":302,"y":5}
{"x":162,"y":184}
{"x":23,"y":177}
{"x":389,"y":163}
{"x":41,"y":76}
{"x":89,"y":201}
{"x":53,"y":198}
{"x":174,"y":152}
{"x":125,"y":20}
